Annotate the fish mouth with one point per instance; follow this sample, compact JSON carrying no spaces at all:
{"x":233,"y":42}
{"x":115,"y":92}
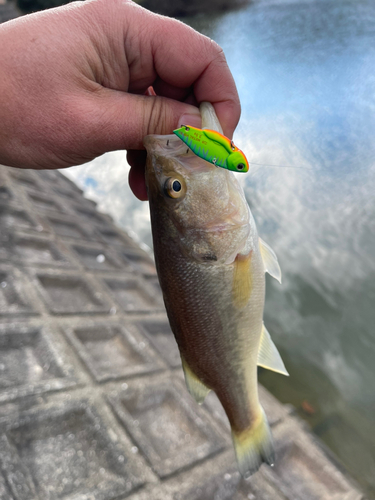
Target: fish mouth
{"x":166,"y":145}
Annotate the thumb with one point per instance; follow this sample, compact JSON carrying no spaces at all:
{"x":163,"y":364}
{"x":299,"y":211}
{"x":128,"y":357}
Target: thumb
{"x":125,"y":119}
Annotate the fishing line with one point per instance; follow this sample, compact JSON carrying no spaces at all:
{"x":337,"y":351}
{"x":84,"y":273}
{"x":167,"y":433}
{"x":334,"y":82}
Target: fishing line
{"x":279,"y":166}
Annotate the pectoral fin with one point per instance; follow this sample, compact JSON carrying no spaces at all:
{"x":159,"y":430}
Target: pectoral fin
{"x":196,"y":388}
{"x":268,"y":355}
{"x":242,"y":280}
{"x":270,"y":262}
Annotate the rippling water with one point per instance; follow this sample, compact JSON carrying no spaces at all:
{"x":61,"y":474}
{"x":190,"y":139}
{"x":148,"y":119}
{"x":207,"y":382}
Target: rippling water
{"x":305,"y":74}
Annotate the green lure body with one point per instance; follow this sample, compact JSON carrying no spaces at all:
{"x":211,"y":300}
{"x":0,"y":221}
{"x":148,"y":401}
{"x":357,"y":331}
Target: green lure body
{"x":213,"y":147}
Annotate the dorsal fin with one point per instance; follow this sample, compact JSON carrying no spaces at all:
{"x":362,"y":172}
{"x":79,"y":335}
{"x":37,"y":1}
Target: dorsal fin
{"x":268,"y":355}
{"x":270,"y":262}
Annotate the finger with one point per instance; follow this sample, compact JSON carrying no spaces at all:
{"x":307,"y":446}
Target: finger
{"x":137,"y":183}
{"x":136,"y":157}
{"x":150,"y":91}
{"x":164,"y":89}
{"x":121,"y":121}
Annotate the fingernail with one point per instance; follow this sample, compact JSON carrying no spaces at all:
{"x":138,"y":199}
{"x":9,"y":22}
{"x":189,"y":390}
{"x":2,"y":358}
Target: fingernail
{"x":194,"y":120}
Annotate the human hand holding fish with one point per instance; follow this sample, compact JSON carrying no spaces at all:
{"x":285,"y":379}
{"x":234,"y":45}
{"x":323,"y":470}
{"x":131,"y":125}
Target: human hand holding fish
{"x":73,"y":79}
{"x":211,"y":266}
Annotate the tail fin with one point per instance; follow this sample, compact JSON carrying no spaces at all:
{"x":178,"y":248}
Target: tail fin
{"x":254,"y":446}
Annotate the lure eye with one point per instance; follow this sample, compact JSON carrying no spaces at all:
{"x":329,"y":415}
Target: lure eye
{"x":173,"y":188}
{"x":240,"y":166}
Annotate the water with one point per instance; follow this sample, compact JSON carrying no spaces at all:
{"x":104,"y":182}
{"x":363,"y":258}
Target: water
{"x":305,"y":74}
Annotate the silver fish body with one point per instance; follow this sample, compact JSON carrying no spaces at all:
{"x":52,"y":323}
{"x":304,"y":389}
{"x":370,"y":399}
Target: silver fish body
{"x":211,"y":269}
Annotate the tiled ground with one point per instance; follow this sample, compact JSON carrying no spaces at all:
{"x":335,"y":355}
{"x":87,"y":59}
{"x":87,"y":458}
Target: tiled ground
{"x":92,"y":400}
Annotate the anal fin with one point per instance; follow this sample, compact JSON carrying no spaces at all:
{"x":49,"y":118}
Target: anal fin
{"x":196,"y":388}
{"x":268,"y":355}
{"x":271,"y":264}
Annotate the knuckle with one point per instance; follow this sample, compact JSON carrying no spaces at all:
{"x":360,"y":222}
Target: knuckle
{"x":214,"y":51}
{"x":156,"y":118}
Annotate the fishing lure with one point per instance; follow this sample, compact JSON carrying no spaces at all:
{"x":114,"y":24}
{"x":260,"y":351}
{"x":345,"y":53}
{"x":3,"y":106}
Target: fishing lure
{"x":213,"y":147}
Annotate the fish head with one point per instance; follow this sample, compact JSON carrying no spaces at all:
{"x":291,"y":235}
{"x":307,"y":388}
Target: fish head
{"x":200,"y":207}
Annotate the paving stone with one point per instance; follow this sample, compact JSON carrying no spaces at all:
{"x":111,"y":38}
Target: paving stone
{"x":89,"y":203}
{"x":160,"y":335}
{"x":64,"y":452}
{"x":302,"y":470}
{"x":170,"y":431}
{"x":230,"y":486}
{"x":23,"y":177}
{"x":44,"y":202}
{"x":13,"y":218}
{"x":89,"y":214}
{"x":29,"y":363}
{"x":154,"y":283}
{"x":67,"y":227}
{"x":112,"y":351}
{"x":114,"y":237}
{"x":5,"y":250}
{"x":57,"y":179}
{"x":140,"y":261}
{"x":214,"y":479}
{"x":17,"y":476}
{"x":12,"y":297}
{"x":68,"y":194}
{"x":133,"y":295}
{"x":38,"y":250}
{"x":275,"y":411}
{"x":96,"y":258}
{"x":4,"y":490}
{"x":5,"y":194}
{"x":70,"y":294}
{"x":52,"y":176}
{"x":62,"y":180}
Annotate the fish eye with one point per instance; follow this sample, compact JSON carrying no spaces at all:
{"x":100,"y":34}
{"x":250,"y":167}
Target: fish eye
{"x":173,"y":187}
{"x":240,"y":166}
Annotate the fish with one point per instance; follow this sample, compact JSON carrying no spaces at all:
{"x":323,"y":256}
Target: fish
{"x":214,"y":147}
{"x":211,"y":266}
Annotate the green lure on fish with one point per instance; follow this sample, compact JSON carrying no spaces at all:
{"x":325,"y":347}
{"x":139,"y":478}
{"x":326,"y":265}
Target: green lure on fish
{"x":213,"y":147}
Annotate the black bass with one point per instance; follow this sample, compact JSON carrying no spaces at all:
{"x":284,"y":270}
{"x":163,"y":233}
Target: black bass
{"x":211,"y":266}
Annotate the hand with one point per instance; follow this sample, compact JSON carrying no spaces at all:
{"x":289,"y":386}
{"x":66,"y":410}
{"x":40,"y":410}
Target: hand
{"x":73,"y":79}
